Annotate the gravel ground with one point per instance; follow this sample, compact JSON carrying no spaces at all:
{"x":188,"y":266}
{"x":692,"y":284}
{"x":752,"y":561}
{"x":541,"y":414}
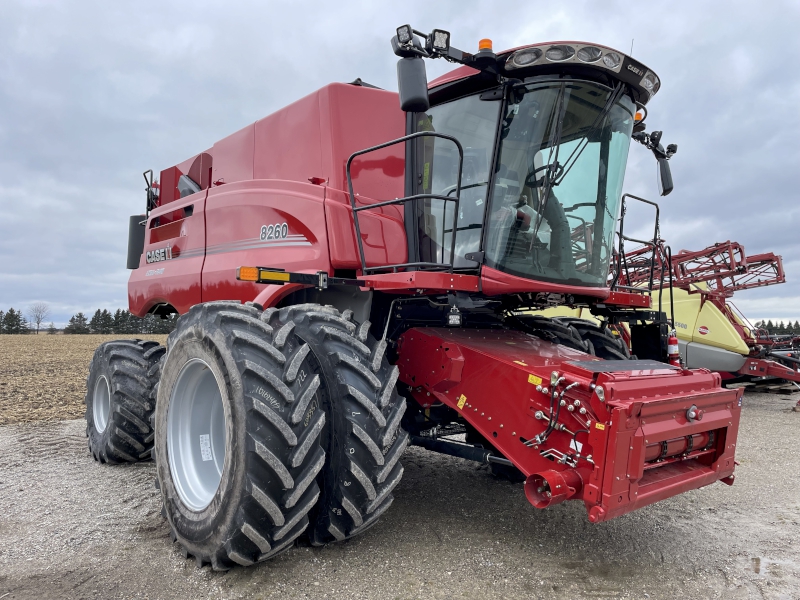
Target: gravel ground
{"x":71,"y":528}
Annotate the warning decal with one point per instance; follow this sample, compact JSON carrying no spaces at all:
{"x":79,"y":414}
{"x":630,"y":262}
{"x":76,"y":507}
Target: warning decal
{"x":534,"y":380}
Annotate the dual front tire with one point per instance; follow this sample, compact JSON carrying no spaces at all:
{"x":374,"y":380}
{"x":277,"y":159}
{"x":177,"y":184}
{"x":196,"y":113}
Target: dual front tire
{"x":271,"y":424}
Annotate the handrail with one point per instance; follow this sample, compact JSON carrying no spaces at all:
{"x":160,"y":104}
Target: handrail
{"x":357,"y":209}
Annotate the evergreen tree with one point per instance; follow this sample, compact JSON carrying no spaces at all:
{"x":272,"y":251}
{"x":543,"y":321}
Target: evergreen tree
{"x":9,"y":320}
{"x":102,"y":322}
{"x":14,"y":322}
{"x":77,"y":324}
{"x":94,"y":323}
{"x":120,"y":321}
{"x":125,"y":323}
{"x":781,"y":328}
{"x":797,"y":326}
{"x":2,"y":315}
{"x":51,"y":329}
{"x":770,"y":327}
{"x":106,"y":322}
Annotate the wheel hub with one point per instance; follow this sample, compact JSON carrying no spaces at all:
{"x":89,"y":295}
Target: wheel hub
{"x":101,"y":403}
{"x":196,"y":434}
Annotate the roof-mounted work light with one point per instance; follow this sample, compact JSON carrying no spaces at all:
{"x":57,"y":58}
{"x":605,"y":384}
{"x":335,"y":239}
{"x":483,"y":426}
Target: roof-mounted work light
{"x":439,"y":40}
{"x":404,"y":34}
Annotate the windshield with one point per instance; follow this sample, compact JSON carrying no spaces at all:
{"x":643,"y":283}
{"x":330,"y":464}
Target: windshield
{"x":558,"y":181}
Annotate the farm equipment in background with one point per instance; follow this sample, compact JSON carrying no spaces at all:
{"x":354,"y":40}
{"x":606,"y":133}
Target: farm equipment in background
{"x":353,"y":278}
{"x":712,"y":332}
{"x":696,"y":287}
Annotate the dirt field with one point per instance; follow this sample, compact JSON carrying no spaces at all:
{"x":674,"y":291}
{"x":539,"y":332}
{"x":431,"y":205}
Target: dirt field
{"x":71,"y":528}
{"x":43,"y":377}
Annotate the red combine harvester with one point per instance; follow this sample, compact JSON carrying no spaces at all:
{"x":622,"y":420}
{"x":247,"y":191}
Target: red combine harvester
{"x":396,"y":254}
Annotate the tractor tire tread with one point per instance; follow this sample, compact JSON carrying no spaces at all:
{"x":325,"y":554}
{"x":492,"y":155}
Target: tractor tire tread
{"x":280,"y":489}
{"x":130,"y":370}
{"x":363,"y":413}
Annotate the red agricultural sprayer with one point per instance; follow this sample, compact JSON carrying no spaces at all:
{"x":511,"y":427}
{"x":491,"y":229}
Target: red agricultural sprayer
{"x":713,"y":333}
{"x":354,"y":276}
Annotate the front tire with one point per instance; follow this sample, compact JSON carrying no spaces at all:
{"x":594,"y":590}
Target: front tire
{"x":237,"y":436}
{"x":363,"y":438}
{"x":122,"y":375}
{"x":605,"y":344}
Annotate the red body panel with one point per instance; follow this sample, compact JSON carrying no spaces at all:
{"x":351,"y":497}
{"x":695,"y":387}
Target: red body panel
{"x":761,"y":367}
{"x":495,"y":379}
{"x":174,"y":278}
{"x":496,"y":283}
{"x":260,"y":176}
{"x":240,"y":212}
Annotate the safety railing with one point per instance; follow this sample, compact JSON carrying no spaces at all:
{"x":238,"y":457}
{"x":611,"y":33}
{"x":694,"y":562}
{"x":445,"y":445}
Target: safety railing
{"x":356,"y":209}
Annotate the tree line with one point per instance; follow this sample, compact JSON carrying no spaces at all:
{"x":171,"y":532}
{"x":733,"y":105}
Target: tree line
{"x":120,"y":322}
{"x":779,"y":328}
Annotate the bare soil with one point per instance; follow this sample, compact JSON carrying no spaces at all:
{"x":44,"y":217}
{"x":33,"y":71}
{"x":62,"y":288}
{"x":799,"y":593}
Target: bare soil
{"x":43,"y":377}
{"x":71,"y":528}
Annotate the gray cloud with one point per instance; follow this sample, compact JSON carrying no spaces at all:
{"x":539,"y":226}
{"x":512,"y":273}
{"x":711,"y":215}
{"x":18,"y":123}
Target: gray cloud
{"x":93,"y":93}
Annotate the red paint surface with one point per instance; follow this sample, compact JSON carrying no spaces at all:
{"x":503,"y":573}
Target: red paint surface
{"x":642,"y":409}
{"x":496,"y":283}
{"x":179,"y":283}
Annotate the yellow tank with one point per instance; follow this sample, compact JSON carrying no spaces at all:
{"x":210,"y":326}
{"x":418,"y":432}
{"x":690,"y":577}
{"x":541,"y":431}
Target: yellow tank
{"x":693,"y":323}
{"x":704,"y":325}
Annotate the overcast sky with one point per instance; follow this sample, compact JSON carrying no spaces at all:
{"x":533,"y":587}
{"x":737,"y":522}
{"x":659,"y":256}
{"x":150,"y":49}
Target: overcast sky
{"x":92,"y":93}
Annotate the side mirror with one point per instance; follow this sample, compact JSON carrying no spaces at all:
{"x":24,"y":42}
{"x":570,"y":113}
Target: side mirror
{"x":412,"y":82}
{"x":664,"y":177}
{"x":136,"y":231}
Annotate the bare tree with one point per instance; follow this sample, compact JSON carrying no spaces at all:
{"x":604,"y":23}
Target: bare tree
{"x":38,"y":312}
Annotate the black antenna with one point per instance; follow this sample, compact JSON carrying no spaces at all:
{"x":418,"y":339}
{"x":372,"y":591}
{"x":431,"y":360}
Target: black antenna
{"x":631,"y":54}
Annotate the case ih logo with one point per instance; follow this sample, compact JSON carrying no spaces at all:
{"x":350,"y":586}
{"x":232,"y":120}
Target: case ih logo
{"x":635,"y":70}
{"x":703,"y":330}
{"x":159,"y":255}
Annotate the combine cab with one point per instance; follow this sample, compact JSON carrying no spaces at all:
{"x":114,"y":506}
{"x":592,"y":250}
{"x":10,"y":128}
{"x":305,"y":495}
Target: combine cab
{"x":354,"y":276}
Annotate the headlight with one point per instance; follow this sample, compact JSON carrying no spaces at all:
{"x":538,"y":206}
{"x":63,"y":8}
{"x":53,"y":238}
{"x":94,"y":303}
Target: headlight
{"x":523,"y":58}
{"x":612,"y":60}
{"x":650,"y":82}
{"x":559,"y":53}
{"x":589,"y":54}
{"x":440,"y":39}
{"x":404,"y":34}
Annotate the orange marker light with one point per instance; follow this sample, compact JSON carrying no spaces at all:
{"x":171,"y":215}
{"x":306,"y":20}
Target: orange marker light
{"x":485,"y":44}
{"x":247,"y":273}
{"x":639,"y":116}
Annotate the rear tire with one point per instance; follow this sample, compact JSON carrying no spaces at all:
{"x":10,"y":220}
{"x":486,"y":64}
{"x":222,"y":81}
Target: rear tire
{"x":606,"y":345}
{"x":362,"y":438}
{"x":237,"y":435}
{"x":551,"y":330}
{"x":122,"y":375}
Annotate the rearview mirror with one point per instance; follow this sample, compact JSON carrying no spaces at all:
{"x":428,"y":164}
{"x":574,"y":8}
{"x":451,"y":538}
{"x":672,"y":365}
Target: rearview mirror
{"x":412,"y":83}
{"x":664,"y":177}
